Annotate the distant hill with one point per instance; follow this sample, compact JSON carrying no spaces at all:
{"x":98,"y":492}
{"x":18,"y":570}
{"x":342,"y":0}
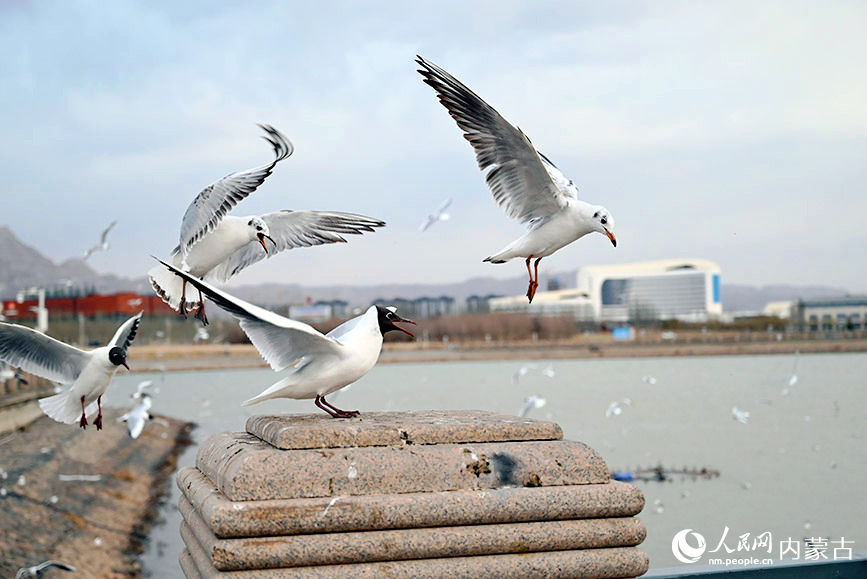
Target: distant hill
{"x":22,"y":266}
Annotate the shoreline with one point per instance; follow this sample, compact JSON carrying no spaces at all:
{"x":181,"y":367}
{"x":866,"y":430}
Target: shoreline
{"x":244,"y":356}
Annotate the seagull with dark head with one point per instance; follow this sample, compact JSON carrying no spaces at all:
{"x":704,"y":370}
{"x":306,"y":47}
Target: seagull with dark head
{"x":321,"y":364}
{"x":39,"y":570}
{"x":217,"y":246}
{"x":90,"y":373}
{"x":524,"y":182}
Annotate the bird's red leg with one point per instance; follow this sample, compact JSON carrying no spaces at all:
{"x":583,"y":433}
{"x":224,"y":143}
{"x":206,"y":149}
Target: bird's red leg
{"x":83,"y":422}
{"x":182,"y":308}
{"x":319,"y":404}
{"x":200,"y":314}
{"x":98,"y":420}
{"x":530,"y":273}
{"x":342,"y":413}
{"x":536,"y":281}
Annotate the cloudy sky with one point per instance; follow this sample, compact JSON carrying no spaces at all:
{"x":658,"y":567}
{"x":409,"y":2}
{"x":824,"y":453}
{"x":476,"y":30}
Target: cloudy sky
{"x":733,"y":131}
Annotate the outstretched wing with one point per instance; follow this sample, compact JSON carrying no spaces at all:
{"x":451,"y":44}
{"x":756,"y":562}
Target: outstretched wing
{"x":518,"y":179}
{"x":40,"y":354}
{"x":125,"y":334}
{"x":216,"y":200}
{"x":280,"y":341}
{"x":293,"y":229}
{"x":105,"y":233}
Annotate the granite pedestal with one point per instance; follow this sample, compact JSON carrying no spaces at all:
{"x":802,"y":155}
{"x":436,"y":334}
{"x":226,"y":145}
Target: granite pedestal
{"x":410,"y":494}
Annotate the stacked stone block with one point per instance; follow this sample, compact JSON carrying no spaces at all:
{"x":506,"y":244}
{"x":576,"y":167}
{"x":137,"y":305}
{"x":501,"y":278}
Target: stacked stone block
{"x":409,"y":494}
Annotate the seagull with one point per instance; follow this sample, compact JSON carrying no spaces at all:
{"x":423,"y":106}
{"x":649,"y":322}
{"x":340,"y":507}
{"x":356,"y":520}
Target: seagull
{"x":103,"y":242}
{"x":218,"y":246}
{"x":145,"y":388}
{"x":38,"y":570}
{"x":524,"y":182}
{"x":322,"y":363}
{"x":530,"y":403}
{"x":522,"y":371}
{"x":741,"y":416}
{"x":440,"y":215}
{"x":90,"y":373}
{"x":137,"y":416}
{"x":793,"y":379}
{"x":648,"y":380}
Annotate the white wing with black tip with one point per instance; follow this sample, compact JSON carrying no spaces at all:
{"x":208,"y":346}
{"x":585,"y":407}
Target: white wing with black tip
{"x":125,"y":334}
{"x":39,"y":354}
{"x":519,"y":180}
{"x":293,"y":229}
{"x":280,"y":341}
{"x":216,"y":200}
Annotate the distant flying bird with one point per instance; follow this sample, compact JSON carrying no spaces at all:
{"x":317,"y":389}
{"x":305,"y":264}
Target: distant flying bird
{"x":217,"y":246}
{"x":137,"y":416}
{"x":322,"y":363}
{"x":522,"y":371}
{"x":90,"y":373}
{"x":793,"y":379}
{"x":103,"y":242}
{"x":549,"y":371}
{"x":38,"y":570}
{"x":524,"y":182}
{"x":440,"y":215}
{"x":145,"y":388}
{"x":648,"y":380}
{"x":741,"y":416}
{"x":534,"y":401}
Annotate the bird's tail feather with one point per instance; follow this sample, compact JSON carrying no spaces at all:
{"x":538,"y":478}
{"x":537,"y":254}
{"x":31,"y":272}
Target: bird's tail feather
{"x":169,"y":287}
{"x":65,"y":407}
{"x":272,"y":391}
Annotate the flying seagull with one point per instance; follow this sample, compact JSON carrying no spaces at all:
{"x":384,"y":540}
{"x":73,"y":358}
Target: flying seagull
{"x":138,"y":415}
{"x":440,"y":215}
{"x":103,"y":242}
{"x":90,"y":373}
{"x":524,"y":182}
{"x":217,"y":246}
{"x":38,"y":570}
{"x":322,"y":363}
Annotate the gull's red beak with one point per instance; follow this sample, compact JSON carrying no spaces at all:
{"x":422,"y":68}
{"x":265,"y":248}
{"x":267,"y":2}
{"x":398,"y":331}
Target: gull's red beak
{"x":611,"y":237}
{"x":401,"y":329}
{"x":262,"y":237}
{"x":125,"y":366}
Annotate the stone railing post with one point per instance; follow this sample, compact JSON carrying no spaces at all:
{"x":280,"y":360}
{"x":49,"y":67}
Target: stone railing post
{"x":406,"y":494}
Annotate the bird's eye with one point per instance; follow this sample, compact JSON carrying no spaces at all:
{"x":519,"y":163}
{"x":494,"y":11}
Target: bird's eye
{"x":389,"y":315}
{"x":596,"y":215}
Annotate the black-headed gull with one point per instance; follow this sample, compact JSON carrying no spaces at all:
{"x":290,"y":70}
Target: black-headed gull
{"x":440,"y":215}
{"x":322,"y":363}
{"x":103,"y":242}
{"x":524,"y":182}
{"x":217,"y":246}
{"x":138,"y":415}
{"x":38,"y":570}
{"x":90,"y":373}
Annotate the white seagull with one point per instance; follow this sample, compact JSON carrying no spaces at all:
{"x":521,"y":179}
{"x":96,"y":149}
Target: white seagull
{"x":38,"y":570}
{"x":138,"y":415}
{"x":90,"y":373}
{"x":440,"y":215}
{"x":534,"y":401}
{"x":103,"y":242}
{"x":322,"y":363}
{"x":217,"y":246}
{"x":524,"y":182}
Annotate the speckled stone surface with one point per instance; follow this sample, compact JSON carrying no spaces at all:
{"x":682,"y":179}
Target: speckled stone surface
{"x":305,"y":431}
{"x":188,"y":566}
{"x":403,"y":544}
{"x":228,"y":519}
{"x":586,"y":563}
{"x":245,"y":469}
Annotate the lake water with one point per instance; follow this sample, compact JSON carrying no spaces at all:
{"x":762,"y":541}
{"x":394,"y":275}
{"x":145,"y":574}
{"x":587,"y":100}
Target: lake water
{"x":797,"y":469}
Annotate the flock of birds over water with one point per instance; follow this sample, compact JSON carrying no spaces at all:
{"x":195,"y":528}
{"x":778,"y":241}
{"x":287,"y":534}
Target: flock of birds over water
{"x":214,"y":246}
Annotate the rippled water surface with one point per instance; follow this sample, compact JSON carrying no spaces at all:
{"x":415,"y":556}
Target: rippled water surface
{"x":797,"y":469}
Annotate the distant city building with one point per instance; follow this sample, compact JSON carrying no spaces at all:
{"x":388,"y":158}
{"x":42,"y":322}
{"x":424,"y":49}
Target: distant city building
{"x":480,"y":304}
{"x":685,"y":289}
{"x":311,"y":313}
{"x":339,"y":308}
{"x":421,"y":308}
{"x":554,"y":284}
{"x":780,"y":309}
{"x":827,"y":314}
{"x":93,"y":305}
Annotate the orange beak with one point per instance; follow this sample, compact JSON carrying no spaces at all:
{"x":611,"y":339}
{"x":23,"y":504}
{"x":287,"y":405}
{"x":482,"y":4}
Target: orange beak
{"x":262,"y":237}
{"x":611,"y":237}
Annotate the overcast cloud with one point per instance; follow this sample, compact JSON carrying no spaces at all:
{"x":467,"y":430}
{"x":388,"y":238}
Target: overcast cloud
{"x":732,"y":131}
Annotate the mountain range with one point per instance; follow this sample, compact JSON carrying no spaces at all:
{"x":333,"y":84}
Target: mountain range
{"x":23,"y":266}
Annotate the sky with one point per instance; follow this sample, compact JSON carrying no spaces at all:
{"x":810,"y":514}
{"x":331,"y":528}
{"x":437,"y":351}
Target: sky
{"x":730,"y":131}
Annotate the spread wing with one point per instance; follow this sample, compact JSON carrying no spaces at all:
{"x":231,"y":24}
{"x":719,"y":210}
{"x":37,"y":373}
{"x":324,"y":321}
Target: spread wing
{"x":280,"y":341}
{"x":40,"y":354}
{"x":125,"y":334}
{"x":292,"y":229}
{"x":216,"y":200}
{"x":105,"y":233}
{"x":518,"y":178}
